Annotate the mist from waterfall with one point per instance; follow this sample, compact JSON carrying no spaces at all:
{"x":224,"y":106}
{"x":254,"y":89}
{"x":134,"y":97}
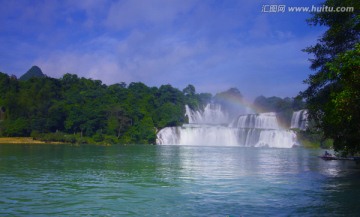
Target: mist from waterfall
{"x":212,"y":114}
{"x":212,"y":127}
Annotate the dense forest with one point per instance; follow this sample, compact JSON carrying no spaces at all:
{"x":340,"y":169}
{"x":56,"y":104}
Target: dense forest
{"x":86,"y":108}
{"x":73,"y":109}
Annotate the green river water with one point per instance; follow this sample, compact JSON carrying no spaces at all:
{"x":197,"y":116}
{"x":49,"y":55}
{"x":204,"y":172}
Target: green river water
{"x":144,"y":180}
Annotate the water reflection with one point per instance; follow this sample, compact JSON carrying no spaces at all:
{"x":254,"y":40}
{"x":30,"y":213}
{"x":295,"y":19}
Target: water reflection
{"x":288,"y":180}
{"x":224,"y":162}
{"x":174,"y":181}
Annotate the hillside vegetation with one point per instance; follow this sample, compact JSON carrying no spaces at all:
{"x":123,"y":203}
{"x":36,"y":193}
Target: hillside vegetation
{"x":79,"y":110}
{"x":73,"y":109}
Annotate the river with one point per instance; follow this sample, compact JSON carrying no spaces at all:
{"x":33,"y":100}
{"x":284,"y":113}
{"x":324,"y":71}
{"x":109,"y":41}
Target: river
{"x":144,"y":180}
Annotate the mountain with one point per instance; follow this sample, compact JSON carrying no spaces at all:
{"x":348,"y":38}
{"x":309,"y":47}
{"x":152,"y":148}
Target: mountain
{"x":34,"y":71}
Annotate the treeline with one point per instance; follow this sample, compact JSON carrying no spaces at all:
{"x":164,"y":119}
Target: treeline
{"x":74,"y":109}
{"x":284,"y":107}
{"x":79,"y":110}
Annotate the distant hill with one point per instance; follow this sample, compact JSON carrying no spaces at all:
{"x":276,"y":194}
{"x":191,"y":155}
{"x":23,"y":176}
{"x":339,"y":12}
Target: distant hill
{"x":34,"y":71}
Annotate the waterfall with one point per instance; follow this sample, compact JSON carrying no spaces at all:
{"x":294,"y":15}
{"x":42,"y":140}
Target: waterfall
{"x":259,"y":130}
{"x":210,"y":127}
{"x":257,"y":121}
{"x":212,"y":114}
{"x":299,"y":120}
{"x":198,"y":135}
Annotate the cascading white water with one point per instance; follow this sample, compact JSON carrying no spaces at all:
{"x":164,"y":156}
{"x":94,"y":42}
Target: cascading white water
{"x":257,"y":121}
{"x":263,"y":129}
{"x":212,"y":114}
{"x":299,"y":120}
{"x":204,"y":135}
{"x":207,"y":128}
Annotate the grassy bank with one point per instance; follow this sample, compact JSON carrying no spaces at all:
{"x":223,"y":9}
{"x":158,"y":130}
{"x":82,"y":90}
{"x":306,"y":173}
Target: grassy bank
{"x":60,"y":138}
{"x":21,"y":140}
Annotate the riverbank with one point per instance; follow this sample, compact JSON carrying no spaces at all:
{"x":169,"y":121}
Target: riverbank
{"x":22,"y":140}
{"x":32,"y":141}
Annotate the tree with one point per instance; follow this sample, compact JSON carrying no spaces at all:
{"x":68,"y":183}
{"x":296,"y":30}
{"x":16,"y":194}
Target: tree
{"x":341,"y":119}
{"x":167,"y":93}
{"x":52,"y":109}
{"x":169,"y":115}
{"x":18,"y":127}
{"x":342,"y":35}
{"x":189,"y":90}
{"x":118,"y":121}
{"x":146,"y":131}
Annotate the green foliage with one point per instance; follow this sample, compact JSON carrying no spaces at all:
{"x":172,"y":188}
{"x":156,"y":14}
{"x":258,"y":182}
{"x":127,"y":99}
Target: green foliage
{"x":189,"y":90}
{"x":169,"y":114}
{"x":341,"y":117}
{"x":332,"y":93}
{"x":78,"y":110}
{"x":312,"y":139}
{"x":195,"y":101}
{"x":18,"y":127}
{"x":98,"y":137}
{"x":111,"y":139}
{"x":146,"y":131}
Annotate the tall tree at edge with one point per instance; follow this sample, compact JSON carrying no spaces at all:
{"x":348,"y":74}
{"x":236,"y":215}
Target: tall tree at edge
{"x":342,"y":35}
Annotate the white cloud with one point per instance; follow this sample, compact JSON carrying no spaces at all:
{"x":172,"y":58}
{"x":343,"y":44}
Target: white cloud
{"x":213,"y":45}
{"x":211,"y":67}
{"x":102,"y":67}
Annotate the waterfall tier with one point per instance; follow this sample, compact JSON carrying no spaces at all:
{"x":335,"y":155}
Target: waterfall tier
{"x":208,"y":128}
{"x":226,"y":136}
{"x":257,"y":121}
{"x":299,"y":120}
{"x":212,"y":114}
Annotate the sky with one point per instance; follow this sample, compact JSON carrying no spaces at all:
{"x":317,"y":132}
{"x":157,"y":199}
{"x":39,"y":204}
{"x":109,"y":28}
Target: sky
{"x":211,"y":44}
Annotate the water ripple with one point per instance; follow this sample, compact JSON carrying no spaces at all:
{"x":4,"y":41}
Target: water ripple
{"x":174,"y":181}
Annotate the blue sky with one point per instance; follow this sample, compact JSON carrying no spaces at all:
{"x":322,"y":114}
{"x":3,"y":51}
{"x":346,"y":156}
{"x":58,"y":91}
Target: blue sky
{"x":211,"y":44}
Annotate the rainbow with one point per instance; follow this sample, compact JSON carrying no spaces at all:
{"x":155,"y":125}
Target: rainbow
{"x":249,"y":107}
